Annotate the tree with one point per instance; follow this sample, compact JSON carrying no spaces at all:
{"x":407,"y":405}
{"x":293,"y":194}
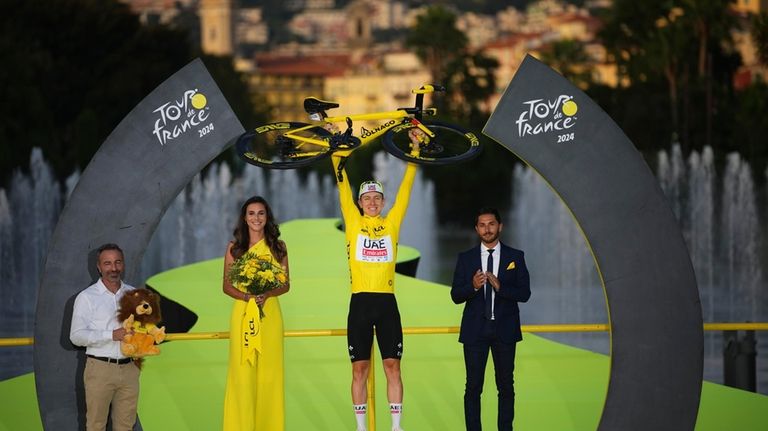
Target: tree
{"x":569,"y":58}
{"x":470,"y":79}
{"x":760,"y":36}
{"x":469,"y":76}
{"x":685,"y":45}
{"x":250,"y":108}
{"x":750,"y":124}
{"x":436,"y":40}
{"x":72,"y":70}
{"x":711,"y":24}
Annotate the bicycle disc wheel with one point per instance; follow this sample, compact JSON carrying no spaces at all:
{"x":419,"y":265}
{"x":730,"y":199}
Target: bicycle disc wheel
{"x":451,"y":144}
{"x":269,"y":147}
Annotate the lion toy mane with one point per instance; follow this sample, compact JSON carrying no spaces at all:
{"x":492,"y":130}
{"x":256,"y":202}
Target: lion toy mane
{"x":140,"y":313}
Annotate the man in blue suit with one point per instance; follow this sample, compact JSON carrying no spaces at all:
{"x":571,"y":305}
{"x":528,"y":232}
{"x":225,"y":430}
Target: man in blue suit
{"x":490,"y":279}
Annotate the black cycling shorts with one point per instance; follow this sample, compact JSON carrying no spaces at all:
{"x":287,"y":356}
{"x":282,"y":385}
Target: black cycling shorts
{"x":366,"y":312}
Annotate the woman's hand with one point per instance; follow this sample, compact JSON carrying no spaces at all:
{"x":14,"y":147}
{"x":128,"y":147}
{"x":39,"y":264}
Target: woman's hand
{"x":260,"y":299}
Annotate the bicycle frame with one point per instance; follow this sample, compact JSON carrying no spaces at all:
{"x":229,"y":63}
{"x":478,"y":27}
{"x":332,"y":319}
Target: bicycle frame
{"x":366,"y":135}
{"x":294,"y":144}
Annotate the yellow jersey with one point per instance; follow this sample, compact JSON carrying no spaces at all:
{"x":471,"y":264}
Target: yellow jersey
{"x":372,"y":241}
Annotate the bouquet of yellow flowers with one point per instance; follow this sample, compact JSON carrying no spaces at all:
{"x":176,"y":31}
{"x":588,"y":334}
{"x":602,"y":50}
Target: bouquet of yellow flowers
{"x":257,"y":274}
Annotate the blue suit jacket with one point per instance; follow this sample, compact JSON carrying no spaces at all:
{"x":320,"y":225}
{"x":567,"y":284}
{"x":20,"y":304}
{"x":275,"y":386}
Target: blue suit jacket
{"x":514,"y":287}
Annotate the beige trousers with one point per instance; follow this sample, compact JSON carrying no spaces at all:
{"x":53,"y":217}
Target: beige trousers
{"x":110,"y":384}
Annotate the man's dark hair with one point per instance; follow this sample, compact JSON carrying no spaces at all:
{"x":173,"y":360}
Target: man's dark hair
{"x":108,"y":246}
{"x":488,"y":210}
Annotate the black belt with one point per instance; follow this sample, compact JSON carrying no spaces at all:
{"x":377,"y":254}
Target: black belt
{"x":111,"y":360}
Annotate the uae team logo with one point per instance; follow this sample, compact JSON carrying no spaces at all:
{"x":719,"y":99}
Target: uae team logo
{"x":542,"y":116}
{"x":188,"y":114}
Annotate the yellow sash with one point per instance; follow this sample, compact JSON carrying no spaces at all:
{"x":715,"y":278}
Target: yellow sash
{"x":250,"y":329}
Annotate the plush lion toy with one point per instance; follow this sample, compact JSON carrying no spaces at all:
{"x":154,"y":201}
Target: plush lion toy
{"x":140,"y":313}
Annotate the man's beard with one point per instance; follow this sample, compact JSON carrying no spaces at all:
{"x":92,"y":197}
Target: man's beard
{"x":490,"y":237}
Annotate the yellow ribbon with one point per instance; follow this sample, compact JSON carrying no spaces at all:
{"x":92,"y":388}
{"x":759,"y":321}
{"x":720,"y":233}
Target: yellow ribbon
{"x":251,"y":332}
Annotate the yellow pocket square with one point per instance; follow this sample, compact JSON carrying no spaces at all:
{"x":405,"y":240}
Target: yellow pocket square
{"x":511,"y":265}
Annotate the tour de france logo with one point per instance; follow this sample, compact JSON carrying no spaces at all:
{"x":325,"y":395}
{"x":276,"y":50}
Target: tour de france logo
{"x":188,"y":114}
{"x":548,"y":116}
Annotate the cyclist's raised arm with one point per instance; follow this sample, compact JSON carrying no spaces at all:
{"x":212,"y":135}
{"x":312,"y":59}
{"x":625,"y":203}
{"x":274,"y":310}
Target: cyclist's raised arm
{"x":404,"y":193}
{"x":346,"y":201}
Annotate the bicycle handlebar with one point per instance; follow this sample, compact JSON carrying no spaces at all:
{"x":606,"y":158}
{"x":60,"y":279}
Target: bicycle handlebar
{"x":428,"y":88}
{"x":420,"y":92}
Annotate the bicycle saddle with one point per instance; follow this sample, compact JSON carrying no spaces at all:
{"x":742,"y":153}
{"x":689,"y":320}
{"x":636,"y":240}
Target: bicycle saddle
{"x":313,"y":105}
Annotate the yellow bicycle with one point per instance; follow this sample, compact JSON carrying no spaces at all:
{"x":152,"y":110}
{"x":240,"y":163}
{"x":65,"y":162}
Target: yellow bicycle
{"x":289,"y":145}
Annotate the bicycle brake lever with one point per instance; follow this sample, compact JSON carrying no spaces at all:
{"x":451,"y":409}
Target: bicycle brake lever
{"x":345,"y":140}
{"x":349,"y":126}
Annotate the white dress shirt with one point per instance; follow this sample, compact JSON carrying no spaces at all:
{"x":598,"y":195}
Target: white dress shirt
{"x":495,"y":270}
{"x":94,"y":317}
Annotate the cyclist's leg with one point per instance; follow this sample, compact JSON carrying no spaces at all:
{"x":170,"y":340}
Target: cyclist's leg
{"x":359,"y":342}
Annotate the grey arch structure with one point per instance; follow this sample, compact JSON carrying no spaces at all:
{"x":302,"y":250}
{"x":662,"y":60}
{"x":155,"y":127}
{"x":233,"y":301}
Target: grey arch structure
{"x":646,"y":272}
{"x":123,"y":193}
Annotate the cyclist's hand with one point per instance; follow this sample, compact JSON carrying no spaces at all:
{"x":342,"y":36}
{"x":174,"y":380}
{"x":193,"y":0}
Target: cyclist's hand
{"x":331,"y":127}
{"x":417,"y":136}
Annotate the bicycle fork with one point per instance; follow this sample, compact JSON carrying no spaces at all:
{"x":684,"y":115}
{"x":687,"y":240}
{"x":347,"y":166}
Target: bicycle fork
{"x":423,"y":128}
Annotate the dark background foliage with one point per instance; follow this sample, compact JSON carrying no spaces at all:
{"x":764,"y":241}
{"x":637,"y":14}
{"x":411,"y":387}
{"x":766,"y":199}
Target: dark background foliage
{"x":72,"y":69}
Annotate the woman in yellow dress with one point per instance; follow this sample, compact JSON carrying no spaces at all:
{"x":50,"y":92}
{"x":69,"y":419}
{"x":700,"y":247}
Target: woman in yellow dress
{"x":254,"y":397}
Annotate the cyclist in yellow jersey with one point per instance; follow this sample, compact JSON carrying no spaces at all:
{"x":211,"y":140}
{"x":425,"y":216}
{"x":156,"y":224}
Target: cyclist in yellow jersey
{"x":372,"y":241}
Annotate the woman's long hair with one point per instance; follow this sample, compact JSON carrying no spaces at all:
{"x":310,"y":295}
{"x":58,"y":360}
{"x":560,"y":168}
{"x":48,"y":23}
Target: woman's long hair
{"x":271,"y":232}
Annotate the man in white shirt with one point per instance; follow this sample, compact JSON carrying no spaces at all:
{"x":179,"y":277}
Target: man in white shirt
{"x":110,"y":378}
